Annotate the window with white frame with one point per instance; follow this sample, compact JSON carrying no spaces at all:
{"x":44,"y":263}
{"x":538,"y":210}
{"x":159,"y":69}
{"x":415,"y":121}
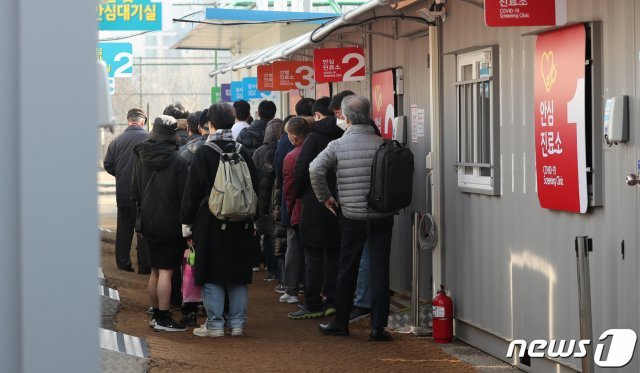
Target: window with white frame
{"x":476,"y":110}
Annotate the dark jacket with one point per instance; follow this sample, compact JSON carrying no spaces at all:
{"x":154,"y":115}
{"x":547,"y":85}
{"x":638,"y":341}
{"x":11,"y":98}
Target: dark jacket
{"x":283,"y":148}
{"x":119,"y":161}
{"x":224,"y":250}
{"x":318,"y":226}
{"x":253,"y":136}
{"x":263,"y":158}
{"x":159,"y":166}
{"x":189,"y":149}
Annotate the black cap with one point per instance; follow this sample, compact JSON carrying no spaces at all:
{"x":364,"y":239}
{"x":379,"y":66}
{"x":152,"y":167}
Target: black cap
{"x":165,"y":124}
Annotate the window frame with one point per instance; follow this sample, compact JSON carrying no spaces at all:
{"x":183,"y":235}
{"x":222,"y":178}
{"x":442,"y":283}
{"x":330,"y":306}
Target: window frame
{"x":476,"y":182}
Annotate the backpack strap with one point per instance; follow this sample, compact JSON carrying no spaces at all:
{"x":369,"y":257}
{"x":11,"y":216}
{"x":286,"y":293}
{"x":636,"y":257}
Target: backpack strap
{"x":214,"y":147}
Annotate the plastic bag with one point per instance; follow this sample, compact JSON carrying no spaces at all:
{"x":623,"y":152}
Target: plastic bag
{"x":190,"y":292}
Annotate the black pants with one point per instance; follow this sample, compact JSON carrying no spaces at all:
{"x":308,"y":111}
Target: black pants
{"x":377,"y":234}
{"x":124,"y":236}
{"x":321,"y":276}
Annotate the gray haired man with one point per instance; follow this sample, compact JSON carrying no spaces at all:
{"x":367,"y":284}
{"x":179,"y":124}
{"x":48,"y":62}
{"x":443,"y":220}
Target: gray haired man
{"x":351,"y":157}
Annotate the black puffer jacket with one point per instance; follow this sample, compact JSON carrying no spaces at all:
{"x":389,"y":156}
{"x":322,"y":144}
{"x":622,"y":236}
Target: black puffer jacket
{"x":252,"y":137}
{"x":318,"y":226}
{"x":159,"y":166}
{"x":189,"y":149}
{"x":264,"y":158}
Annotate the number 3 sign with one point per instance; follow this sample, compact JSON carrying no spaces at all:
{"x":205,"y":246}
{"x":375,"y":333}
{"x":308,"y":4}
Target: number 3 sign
{"x":339,"y":64}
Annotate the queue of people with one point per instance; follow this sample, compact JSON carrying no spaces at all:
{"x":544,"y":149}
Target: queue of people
{"x":296,"y":188}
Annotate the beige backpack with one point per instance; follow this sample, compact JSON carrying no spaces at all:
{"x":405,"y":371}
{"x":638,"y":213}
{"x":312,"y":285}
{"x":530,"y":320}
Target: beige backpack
{"x":232,"y":196}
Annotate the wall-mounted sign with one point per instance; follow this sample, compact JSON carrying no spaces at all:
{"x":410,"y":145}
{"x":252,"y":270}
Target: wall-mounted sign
{"x":250,"y":89}
{"x":225,"y":92}
{"x":383,"y":101}
{"x":505,"y":13}
{"x":339,"y":64}
{"x":560,"y":120}
{"x":130,"y":15}
{"x":237,"y":91}
{"x":265,"y":77}
{"x":215,"y":94}
{"x":118,"y":57}
{"x":289,"y":75}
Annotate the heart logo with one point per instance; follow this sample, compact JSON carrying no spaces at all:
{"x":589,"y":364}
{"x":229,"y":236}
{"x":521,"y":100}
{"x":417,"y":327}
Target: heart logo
{"x":377,"y":97}
{"x":548,"y":69}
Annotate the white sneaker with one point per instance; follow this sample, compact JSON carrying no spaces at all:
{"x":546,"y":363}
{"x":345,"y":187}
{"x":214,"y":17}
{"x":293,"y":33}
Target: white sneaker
{"x":237,"y":332}
{"x":152,"y":323}
{"x":286,"y":298}
{"x":202,"y":331}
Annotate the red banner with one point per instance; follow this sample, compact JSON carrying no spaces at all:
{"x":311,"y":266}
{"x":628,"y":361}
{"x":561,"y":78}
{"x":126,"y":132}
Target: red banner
{"x":383,"y":107}
{"x":289,"y":75}
{"x":505,"y":13}
{"x":265,"y":78}
{"x":559,"y":107}
{"x":339,"y":64}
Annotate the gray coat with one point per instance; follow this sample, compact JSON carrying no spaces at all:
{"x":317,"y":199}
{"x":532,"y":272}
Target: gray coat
{"x":351,"y":157}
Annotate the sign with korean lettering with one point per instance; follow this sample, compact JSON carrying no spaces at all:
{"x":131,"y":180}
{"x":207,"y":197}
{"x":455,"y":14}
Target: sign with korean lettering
{"x":237,"y":91}
{"x":339,"y":64}
{"x":250,"y":89}
{"x":383,"y":101}
{"x":225,"y":92}
{"x":289,"y":75}
{"x":118,"y":57}
{"x":560,"y":120}
{"x":215,"y":94}
{"x":265,"y":77}
{"x":130,"y":15}
{"x":505,"y":13}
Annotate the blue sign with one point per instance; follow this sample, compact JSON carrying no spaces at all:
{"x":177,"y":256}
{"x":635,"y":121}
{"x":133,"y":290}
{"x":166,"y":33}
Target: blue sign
{"x":224,"y":14}
{"x":250,"y":89}
{"x":118,"y":57}
{"x":225,"y":94}
{"x":130,"y":15}
{"x":237,"y":91}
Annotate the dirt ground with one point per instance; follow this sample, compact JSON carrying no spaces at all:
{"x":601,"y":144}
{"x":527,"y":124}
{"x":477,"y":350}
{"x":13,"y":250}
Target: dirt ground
{"x":272,"y":342}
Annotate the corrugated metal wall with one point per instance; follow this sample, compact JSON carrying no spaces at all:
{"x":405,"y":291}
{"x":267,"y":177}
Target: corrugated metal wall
{"x":411,"y":54}
{"x":510,"y":264}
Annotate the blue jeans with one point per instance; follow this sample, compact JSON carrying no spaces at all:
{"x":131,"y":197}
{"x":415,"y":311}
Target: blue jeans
{"x":214,"y":304}
{"x":363,"y":288}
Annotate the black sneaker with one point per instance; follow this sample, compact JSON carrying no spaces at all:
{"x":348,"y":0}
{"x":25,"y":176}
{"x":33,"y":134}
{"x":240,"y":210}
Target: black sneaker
{"x":358,"y":313}
{"x":169,"y":325}
{"x":190,"y":319}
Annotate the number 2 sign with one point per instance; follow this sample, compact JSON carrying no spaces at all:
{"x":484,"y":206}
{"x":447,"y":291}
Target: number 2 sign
{"x":339,"y":64}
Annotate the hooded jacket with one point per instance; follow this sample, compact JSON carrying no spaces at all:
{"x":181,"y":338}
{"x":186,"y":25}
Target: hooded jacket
{"x":253,"y":136}
{"x":318,"y":226}
{"x":159,"y":177}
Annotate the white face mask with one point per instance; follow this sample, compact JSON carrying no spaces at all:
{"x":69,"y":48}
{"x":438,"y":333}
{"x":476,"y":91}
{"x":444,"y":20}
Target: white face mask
{"x":342,"y":124}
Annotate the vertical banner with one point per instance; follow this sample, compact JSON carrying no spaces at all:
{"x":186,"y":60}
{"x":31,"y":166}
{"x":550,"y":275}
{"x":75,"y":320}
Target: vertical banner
{"x":225,"y":92}
{"x":265,"y":77}
{"x":236,"y":91}
{"x":383,"y":101}
{"x":289,"y":75}
{"x":339,"y":64}
{"x":560,"y":120}
{"x":215,"y":95}
{"x":506,"y":13}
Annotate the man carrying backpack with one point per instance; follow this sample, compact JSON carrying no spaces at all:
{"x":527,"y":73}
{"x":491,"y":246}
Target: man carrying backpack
{"x":351,"y":157}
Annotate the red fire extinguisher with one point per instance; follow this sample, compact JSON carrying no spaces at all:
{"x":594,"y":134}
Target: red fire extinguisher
{"x":442,"y":310}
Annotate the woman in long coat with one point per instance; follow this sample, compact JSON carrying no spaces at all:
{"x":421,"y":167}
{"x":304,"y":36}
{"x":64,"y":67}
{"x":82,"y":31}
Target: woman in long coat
{"x":224,"y":250}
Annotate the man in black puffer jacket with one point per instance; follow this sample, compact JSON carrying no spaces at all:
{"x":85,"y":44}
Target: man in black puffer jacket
{"x":318,"y":229}
{"x":252,"y":137}
{"x":189,"y":149}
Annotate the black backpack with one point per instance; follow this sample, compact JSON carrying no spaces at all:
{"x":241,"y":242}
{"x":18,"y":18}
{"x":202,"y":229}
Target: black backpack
{"x":391,"y":177}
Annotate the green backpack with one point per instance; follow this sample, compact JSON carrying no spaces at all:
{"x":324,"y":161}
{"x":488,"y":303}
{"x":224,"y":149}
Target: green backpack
{"x":232,"y":196}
